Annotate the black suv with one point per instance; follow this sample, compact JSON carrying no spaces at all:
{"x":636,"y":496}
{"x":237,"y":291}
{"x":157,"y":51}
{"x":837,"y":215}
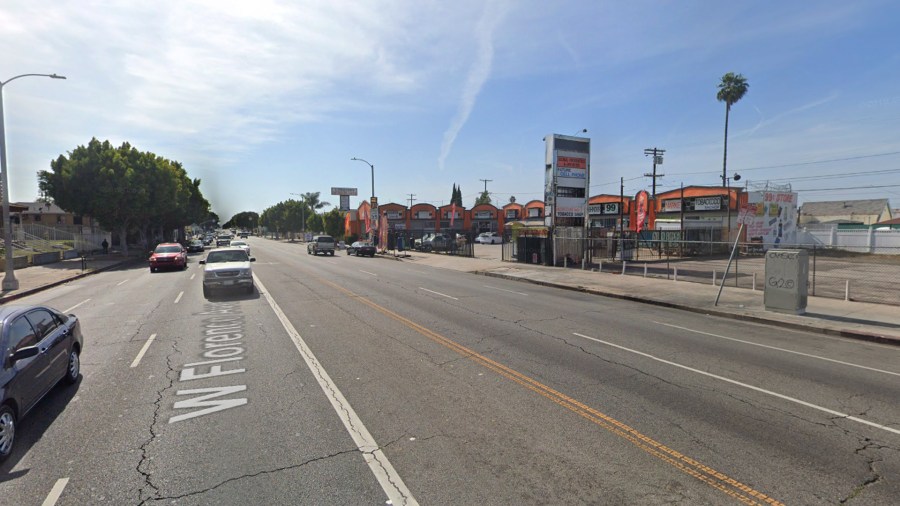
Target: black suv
{"x":40,"y":347}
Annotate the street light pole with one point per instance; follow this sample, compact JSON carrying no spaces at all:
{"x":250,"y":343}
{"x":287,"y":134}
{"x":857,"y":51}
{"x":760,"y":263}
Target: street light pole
{"x":371,"y":202}
{"x":9,"y":281}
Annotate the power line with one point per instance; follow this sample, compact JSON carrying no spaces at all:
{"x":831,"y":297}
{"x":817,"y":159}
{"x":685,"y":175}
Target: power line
{"x":860,"y":157}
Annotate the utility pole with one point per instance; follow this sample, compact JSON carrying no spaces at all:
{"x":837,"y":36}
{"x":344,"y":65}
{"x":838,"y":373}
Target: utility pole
{"x":486,"y":181}
{"x":411,"y":199}
{"x":657,"y":160}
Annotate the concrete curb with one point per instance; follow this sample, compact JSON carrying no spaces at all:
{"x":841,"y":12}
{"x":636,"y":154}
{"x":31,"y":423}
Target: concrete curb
{"x":852,"y":334}
{"x":32,"y":291}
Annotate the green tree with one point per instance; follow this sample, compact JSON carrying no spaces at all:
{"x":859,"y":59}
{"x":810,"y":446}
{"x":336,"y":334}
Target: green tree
{"x":315,"y":223}
{"x":311,"y":199}
{"x":484,"y":198}
{"x":732,"y":88}
{"x":244,"y":220}
{"x":124,"y":189}
{"x":456,"y":196}
{"x":334,"y":222}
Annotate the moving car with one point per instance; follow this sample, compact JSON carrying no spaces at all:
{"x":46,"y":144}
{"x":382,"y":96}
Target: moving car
{"x":363,"y":248}
{"x":240,"y":244}
{"x":196,"y":246}
{"x":488,"y":238}
{"x":227,"y":268}
{"x":40,"y":347}
{"x":224,"y":239}
{"x":168,"y":255}
{"x":323,"y":244}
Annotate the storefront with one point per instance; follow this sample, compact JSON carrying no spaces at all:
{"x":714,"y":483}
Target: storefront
{"x":702,"y":214}
{"x":484,"y":218}
{"x":422,"y":219}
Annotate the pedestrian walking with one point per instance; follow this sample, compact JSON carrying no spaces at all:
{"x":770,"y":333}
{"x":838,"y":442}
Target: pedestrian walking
{"x":105,"y":245}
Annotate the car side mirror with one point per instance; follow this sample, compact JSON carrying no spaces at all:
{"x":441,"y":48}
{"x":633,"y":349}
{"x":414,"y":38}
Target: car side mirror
{"x":252,"y":259}
{"x":24,"y":353}
{"x":202,"y":262}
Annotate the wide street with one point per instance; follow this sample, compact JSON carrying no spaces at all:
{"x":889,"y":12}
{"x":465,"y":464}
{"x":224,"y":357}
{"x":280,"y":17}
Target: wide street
{"x":347,"y":380}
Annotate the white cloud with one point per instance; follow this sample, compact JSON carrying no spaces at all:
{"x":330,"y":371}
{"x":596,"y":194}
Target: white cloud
{"x":478,"y":75}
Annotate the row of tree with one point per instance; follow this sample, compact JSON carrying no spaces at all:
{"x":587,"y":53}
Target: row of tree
{"x":125,"y":190}
{"x":291,"y":216}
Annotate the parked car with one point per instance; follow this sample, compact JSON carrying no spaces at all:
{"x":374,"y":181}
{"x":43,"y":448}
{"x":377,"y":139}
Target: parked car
{"x":423,"y":244}
{"x":196,"y":246}
{"x":227,"y":268}
{"x":488,"y":238}
{"x":361,"y":248}
{"x":168,"y":255}
{"x":241,"y":244}
{"x":40,"y":348}
{"x":443,"y":242}
{"x":323,"y":244}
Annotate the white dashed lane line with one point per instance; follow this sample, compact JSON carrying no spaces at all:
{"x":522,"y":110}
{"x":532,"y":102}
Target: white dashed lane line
{"x":55,"y":492}
{"x":140,"y":355}
{"x":438,"y":293}
{"x":76,"y":305}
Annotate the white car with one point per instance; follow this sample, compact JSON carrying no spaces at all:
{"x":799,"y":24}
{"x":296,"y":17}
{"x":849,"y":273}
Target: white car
{"x":488,"y":238}
{"x":227,"y":268}
{"x":240,"y":244}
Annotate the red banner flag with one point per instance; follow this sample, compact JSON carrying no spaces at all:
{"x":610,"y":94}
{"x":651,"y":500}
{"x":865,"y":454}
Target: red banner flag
{"x":347,"y":224}
{"x":641,"y":201}
{"x":368,"y":220}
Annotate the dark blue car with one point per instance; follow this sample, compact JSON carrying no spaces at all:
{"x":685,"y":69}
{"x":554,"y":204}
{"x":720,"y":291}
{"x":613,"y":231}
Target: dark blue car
{"x":40,"y":347}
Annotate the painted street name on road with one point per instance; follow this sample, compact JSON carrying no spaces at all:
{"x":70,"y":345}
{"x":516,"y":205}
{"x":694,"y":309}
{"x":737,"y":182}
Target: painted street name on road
{"x":223,"y":334}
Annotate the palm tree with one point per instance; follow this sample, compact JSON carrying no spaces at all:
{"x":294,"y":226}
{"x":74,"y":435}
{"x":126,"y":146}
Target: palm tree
{"x":312,"y":200}
{"x":732,"y":88}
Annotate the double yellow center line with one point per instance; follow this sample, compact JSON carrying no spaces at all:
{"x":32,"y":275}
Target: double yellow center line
{"x":706,"y":474}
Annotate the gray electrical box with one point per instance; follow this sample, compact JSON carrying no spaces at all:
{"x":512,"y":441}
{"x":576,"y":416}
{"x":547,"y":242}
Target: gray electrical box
{"x":787,"y":272}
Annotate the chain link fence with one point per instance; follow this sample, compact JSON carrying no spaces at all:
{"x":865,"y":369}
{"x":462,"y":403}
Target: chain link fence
{"x":870,"y":276}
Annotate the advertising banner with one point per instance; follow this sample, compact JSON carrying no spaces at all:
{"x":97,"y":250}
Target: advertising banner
{"x":567,"y":207}
{"x":571,"y":170}
{"x":606,"y":208}
{"x":671,"y":206}
{"x":707,"y":203}
{"x":343,"y":191}
{"x":770,"y":218}
{"x":641,"y":207}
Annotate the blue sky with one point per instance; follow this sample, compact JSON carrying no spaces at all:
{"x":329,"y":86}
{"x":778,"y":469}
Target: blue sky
{"x":265,"y":98}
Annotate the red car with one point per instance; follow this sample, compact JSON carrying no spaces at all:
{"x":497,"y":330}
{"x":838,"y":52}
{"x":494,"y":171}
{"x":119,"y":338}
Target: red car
{"x":168,"y":255}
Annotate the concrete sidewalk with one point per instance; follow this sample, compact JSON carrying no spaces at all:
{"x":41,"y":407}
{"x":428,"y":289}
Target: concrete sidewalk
{"x":860,"y":320}
{"x":41,"y":277}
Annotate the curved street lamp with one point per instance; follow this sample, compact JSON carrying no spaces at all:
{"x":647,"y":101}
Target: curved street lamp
{"x":9,"y":281}
{"x":373,"y":173}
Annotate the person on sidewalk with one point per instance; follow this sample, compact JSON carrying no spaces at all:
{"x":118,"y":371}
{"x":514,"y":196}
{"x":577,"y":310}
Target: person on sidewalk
{"x":105,"y":245}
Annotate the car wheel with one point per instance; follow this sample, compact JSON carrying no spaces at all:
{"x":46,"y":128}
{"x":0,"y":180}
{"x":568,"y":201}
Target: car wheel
{"x":153,"y":269}
{"x":250,"y":289}
{"x":7,"y":431}
{"x":206,"y":292}
{"x":74,"y":368}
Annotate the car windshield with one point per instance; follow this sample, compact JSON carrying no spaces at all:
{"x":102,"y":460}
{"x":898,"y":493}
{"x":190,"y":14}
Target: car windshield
{"x":167,"y":249}
{"x":226,"y":256}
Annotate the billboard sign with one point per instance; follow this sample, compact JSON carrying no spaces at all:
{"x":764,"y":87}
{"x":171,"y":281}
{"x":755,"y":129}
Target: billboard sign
{"x":770,"y":218}
{"x":345,"y":202}
{"x":707,"y":203}
{"x":343,"y":191}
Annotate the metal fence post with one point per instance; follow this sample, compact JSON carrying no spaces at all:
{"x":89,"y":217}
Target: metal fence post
{"x":645,"y":270}
{"x":714,"y":277}
{"x":676,"y":274}
{"x":624,"y":263}
{"x":847,"y":291}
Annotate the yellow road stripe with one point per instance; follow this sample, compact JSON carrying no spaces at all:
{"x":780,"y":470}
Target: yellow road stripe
{"x":680,"y":461}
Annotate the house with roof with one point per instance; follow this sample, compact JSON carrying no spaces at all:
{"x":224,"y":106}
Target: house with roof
{"x":845,"y":212}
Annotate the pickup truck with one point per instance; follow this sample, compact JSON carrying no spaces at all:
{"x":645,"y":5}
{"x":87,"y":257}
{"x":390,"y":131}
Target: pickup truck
{"x":323,"y":244}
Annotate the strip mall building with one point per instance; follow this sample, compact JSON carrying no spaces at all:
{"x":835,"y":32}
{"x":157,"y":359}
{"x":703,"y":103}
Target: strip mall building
{"x":704,"y":213}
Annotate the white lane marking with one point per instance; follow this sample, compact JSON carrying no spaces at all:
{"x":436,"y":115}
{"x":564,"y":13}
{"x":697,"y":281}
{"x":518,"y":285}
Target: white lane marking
{"x":76,"y":305}
{"x":438,"y":293}
{"x":120,"y":283}
{"x":377,"y":461}
{"x":779,"y":349}
{"x":745,"y":385}
{"x":140,"y":355}
{"x":192,"y":275}
{"x":505,"y":290}
{"x":179,"y":296}
{"x":369,"y":273}
{"x":55,"y":492}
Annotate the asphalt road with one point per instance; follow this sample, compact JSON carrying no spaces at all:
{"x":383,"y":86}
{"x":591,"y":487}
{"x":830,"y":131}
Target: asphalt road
{"x":348,"y":380}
